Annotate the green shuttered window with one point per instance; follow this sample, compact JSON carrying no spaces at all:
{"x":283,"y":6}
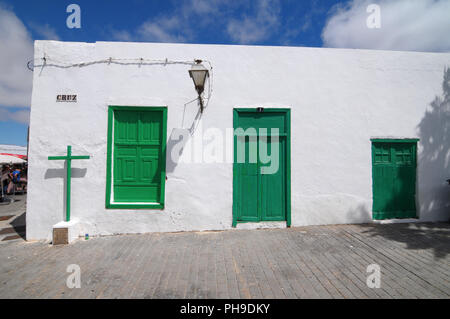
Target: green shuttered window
{"x":136,"y":157}
{"x":394,"y":178}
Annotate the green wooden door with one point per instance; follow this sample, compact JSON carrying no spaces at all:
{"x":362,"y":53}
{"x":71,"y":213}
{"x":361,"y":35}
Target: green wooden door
{"x":272,"y":185}
{"x":394,"y":179}
{"x":260,"y":185}
{"x":138,"y":158}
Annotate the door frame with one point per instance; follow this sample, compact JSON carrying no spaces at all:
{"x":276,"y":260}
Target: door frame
{"x":287,"y":111}
{"x":110,"y":162}
{"x":413,"y":141}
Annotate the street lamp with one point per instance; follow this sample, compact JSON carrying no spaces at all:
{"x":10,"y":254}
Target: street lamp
{"x":199,"y":73}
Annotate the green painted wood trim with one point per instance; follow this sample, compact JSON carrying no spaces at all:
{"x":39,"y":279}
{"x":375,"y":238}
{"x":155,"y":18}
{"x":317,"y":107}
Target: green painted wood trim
{"x":394,"y":215}
{"x":69,"y":176}
{"x":288,"y":168}
{"x":55,"y":158}
{"x":108,"y":204}
{"x":416,"y":193}
{"x":109,"y":157}
{"x":163,"y":159}
{"x":252,"y":221}
{"x":68,"y":158}
{"x":136,"y":206}
{"x":266,"y":110}
{"x":372,"y":148}
{"x":235,"y":167}
{"x":236,"y":112}
{"x":395,"y":140}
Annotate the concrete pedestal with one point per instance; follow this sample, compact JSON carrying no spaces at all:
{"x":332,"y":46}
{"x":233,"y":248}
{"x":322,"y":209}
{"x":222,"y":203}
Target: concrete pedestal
{"x":66,"y":232}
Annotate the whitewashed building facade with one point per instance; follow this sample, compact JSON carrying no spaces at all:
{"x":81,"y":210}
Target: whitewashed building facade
{"x":361,"y":137}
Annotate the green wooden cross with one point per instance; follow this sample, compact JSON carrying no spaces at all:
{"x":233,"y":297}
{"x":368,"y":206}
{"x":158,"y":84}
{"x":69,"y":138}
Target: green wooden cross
{"x":69,"y":159}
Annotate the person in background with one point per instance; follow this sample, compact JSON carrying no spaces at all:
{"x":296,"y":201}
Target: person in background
{"x":22,"y":177}
{"x":6,"y":178}
{"x":16,"y":178}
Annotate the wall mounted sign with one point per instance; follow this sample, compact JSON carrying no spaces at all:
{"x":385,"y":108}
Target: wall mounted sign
{"x":66,"y":98}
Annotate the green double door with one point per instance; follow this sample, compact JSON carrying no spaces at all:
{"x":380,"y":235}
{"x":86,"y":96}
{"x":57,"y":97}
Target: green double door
{"x":394,"y":179}
{"x":260,"y":183}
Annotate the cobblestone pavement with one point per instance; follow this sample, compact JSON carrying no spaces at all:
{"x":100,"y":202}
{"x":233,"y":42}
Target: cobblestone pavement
{"x":306,"y":262}
{"x":12,"y":218}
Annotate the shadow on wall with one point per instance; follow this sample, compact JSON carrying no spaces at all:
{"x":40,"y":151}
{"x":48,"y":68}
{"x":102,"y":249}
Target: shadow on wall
{"x":179,"y":137}
{"x":434,"y":160}
{"x":175,"y":146}
{"x":434,"y":170}
{"x":359,"y":214}
{"x":62,"y":173}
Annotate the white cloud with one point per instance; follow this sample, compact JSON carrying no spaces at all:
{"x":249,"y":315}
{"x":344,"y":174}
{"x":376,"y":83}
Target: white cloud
{"x":21,"y":116}
{"x":121,"y":35}
{"x":45,"y":31}
{"x":179,"y":24}
{"x":405,"y":25}
{"x":257,"y":26}
{"x":161,"y":29}
{"x":16,"y":50}
{"x":167,"y":29}
{"x":258,"y":20}
{"x":174,"y":27}
{"x":202,"y":6}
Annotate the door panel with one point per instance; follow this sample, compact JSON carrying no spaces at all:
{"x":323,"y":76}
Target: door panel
{"x":248,"y":186}
{"x":273,"y":185}
{"x":394,"y":180}
{"x":137,"y":156}
{"x":248,"y":193}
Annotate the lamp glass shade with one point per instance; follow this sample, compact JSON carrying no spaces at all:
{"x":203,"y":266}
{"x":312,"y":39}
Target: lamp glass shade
{"x":198,"y":74}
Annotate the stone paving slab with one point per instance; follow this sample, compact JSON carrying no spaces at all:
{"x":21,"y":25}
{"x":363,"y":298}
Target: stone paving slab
{"x":12,"y":218}
{"x":305,"y":262}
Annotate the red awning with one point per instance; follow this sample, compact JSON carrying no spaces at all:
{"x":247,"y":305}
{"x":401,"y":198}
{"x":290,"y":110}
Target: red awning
{"x":16,"y":155}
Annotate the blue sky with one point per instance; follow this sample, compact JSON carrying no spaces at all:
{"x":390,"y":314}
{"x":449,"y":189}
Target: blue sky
{"x":299,"y":22}
{"x":405,"y":25}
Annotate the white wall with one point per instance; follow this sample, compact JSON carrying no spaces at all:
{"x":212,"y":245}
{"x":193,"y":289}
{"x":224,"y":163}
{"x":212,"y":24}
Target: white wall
{"x":339,"y":100}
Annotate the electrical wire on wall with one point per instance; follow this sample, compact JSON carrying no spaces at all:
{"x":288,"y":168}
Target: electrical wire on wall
{"x":46,"y":61}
